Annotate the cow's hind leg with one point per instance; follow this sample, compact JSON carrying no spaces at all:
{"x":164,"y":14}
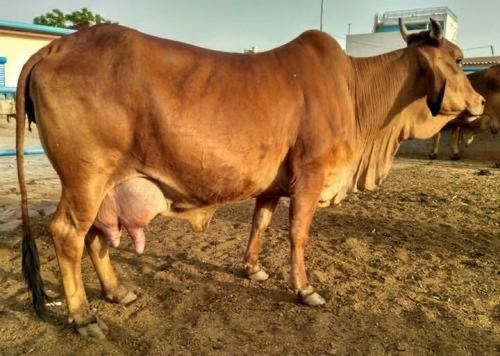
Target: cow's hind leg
{"x":112,"y":288}
{"x":68,"y":228}
{"x":264,"y":208}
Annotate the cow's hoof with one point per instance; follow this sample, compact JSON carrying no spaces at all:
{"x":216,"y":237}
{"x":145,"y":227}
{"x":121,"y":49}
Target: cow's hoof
{"x":455,"y":157}
{"x":259,"y":276}
{"x":93,"y":331}
{"x":324,"y":203}
{"x":123,"y":296}
{"x":102,"y":324}
{"x":432,"y":156}
{"x":129,"y":298}
{"x":313,"y":299}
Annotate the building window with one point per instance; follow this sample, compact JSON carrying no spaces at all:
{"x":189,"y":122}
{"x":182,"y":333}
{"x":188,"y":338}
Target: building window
{"x":416,"y":26}
{"x":3,"y":60}
{"x":388,"y":28}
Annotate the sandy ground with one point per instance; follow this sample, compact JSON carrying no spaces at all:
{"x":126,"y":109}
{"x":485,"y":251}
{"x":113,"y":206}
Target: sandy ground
{"x":7,"y":135}
{"x":412,"y":268}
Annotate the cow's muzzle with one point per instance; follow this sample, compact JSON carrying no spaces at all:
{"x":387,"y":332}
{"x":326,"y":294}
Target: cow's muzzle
{"x":476,"y":106}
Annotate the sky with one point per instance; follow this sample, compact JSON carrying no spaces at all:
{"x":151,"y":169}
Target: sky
{"x":233,"y":25}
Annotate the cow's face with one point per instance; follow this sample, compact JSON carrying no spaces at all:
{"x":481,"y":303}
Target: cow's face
{"x":490,"y":123}
{"x":448,"y":90}
{"x":491,"y":119}
{"x":484,"y":124}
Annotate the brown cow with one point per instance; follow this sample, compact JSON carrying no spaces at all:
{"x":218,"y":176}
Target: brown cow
{"x":487,"y":83}
{"x":135,"y":125}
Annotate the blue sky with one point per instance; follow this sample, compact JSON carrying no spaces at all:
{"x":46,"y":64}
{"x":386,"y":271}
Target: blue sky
{"x":233,"y":25}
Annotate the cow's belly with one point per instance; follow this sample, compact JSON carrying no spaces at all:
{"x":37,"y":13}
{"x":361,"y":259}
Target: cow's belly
{"x":196,"y":178}
{"x":133,"y":203}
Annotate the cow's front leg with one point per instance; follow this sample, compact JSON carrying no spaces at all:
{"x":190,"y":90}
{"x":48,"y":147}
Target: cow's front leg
{"x":304,"y":197}
{"x":112,"y":289}
{"x":264,"y":209}
{"x":435,"y":146}
{"x":455,"y":144}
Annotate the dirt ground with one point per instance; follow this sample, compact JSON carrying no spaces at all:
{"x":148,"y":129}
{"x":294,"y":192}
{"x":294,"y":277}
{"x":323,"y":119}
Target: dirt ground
{"x":412,"y":268}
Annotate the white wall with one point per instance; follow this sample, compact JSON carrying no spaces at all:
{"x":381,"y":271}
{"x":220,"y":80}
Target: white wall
{"x":372,"y":44}
{"x":451,"y":29}
{"x":18,"y":48}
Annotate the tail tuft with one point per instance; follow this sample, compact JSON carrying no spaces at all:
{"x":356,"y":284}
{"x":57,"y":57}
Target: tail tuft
{"x":31,"y":272}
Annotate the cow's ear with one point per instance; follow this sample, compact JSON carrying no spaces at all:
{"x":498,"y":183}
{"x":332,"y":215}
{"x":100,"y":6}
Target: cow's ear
{"x":435,"y":83}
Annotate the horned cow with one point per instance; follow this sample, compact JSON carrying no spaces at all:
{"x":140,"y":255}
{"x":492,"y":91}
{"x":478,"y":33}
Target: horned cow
{"x":158,"y":126}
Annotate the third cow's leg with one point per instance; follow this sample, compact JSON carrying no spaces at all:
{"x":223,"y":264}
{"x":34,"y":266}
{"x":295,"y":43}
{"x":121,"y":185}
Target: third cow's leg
{"x":112,"y":288}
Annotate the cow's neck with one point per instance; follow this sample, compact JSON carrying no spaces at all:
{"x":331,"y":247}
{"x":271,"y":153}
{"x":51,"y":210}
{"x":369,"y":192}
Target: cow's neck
{"x":385,"y":86}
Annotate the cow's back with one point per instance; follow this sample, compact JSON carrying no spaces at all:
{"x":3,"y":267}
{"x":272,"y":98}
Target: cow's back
{"x":212,"y":126}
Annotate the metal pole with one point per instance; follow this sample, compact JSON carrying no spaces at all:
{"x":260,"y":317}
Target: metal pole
{"x":27,"y":151}
{"x":321,"y":17}
{"x":492,"y":50}
{"x":348,"y":28}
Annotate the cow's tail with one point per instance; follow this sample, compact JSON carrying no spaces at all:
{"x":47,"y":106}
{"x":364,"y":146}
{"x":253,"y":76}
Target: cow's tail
{"x":30,"y":259}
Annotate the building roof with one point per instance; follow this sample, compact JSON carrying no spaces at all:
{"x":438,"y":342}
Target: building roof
{"x":28,"y":27}
{"x":481,"y":60}
{"x":417,"y":12}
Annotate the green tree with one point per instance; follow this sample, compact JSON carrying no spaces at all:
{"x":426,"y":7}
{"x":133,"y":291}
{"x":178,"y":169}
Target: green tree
{"x":83,"y":16}
{"x":57,"y":18}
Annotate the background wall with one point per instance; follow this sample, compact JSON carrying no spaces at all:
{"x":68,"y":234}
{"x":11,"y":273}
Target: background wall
{"x":485,"y":147}
{"x":17,"y":48}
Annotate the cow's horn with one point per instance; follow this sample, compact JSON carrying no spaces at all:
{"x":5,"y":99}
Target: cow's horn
{"x":403,"y":30}
{"x":436,"y":30}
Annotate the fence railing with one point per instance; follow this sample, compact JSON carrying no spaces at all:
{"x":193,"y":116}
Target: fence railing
{"x":7,"y":93}
{"x":418,"y":12}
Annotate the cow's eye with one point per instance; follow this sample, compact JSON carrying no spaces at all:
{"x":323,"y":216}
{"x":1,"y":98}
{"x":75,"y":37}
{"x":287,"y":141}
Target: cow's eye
{"x":459,"y":62}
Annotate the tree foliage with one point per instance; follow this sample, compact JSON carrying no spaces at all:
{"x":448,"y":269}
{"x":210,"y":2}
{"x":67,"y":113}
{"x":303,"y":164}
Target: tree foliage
{"x":57,"y":18}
